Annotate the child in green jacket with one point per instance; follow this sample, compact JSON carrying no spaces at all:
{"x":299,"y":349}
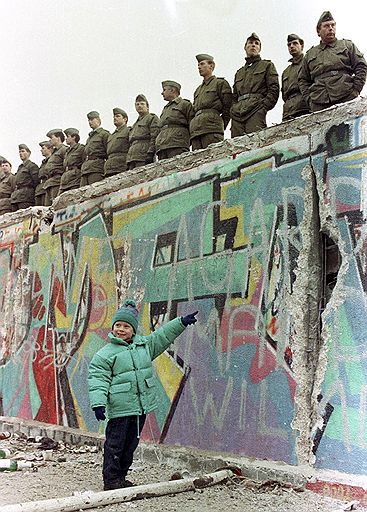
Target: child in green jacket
{"x":122,"y":383}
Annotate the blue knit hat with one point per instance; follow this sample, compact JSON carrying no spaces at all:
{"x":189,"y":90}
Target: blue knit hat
{"x":127,"y":313}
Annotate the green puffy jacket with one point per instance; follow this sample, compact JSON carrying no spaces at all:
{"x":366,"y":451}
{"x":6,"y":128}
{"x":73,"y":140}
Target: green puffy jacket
{"x":121,"y":376}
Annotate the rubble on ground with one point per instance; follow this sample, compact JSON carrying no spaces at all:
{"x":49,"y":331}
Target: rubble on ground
{"x":61,"y":470}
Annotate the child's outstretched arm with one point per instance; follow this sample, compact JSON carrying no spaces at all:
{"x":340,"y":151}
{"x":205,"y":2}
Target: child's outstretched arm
{"x":159,"y":340}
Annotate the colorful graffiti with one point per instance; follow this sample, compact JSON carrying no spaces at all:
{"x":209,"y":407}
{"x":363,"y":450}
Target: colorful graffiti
{"x":223,"y":238}
{"x":343,"y":398}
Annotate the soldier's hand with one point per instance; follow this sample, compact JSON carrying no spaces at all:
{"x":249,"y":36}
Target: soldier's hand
{"x":149,"y":159}
{"x":100,"y":412}
{"x":189,"y":319}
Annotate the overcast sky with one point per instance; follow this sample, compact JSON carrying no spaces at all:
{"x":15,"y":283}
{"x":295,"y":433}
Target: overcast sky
{"x":60,"y":60}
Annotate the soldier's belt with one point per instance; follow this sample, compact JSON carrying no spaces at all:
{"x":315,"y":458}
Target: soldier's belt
{"x":72,"y":168}
{"x":91,"y":157}
{"x":329,"y":73}
{"x":134,"y":139}
{"x":207,"y":110}
{"x":250,"y":95}
{"x":174,"y":125}
{"x":293,"y":95}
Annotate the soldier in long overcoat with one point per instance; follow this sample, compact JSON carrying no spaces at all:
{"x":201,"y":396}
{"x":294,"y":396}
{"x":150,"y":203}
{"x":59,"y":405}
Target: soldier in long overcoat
{"x":142,"y":135}
{"x":332,"y":72}
{"x":40,"y":193}
{"x":255,"y":90}
{"x":55,"y":168}
{"x":73,"y":161}
{"x":174,"y":122}
{"x":95,"y":151}
{"x":212,"y":104}
{"x":117,"y":144}
{"x":294,"y":103}
{"x":26,"y":180}
{"x":7,"y":186}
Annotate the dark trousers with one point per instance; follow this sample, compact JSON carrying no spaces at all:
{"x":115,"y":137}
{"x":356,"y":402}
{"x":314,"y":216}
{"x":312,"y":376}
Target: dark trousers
{"x":252,"y":123}
{"x":89,"y":179}
{"x":163,"y":154}
{"x":203,"y":141}
{"x":121,"y":442}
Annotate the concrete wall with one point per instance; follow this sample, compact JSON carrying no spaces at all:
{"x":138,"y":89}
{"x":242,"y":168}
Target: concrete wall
{"x":265,"y":236}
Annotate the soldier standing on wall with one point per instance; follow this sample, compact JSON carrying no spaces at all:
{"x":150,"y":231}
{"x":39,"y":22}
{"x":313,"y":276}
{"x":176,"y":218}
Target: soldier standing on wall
{"x":117,"y":144}
{"x":142,"y":135}
{"x":73,"y":161}
{"x":55,"y":165}
{"x":212,"y":104}
{"x":26,"y":180}
{"x":174,"y":136}
{"x":7,"y":186}
{"x":46,"y":149}
{"x":332,"y":72}
{"x":294,"y":103}
{"x":255,"y":90}
{"x":95,"y":150}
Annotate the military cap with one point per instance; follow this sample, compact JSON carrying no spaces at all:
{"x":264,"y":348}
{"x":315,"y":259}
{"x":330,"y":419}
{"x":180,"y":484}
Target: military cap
{"x":294,"y":37}
{"x":2,"y":159}
{"x":325,"y":16}
{"x":253,"y":36}
{"x":47,"y":143}
{"x":204,"y":56}
{"x":141,"y":97}
{"x":93,"y":114}
{"x":55,"y":131}
{"x":71,"y":131}
{"x":171,"y":83}
{"x":24,"y":146}
{"x":118,"y":110}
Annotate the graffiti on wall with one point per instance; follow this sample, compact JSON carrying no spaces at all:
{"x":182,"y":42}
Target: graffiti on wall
{"x":343,"y":398}
{"x":222,"y":238}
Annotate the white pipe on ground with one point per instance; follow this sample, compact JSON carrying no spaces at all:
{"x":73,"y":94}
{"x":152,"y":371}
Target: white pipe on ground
{"x":91,"y":499}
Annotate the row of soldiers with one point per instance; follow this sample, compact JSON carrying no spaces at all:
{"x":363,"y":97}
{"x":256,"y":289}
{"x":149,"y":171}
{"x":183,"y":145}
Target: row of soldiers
{"x":332,"y":72}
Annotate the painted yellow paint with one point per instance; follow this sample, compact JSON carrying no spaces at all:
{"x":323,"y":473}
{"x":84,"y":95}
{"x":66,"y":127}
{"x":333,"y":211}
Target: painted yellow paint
{"x":122,"y":218}
{"x":169,"y":373}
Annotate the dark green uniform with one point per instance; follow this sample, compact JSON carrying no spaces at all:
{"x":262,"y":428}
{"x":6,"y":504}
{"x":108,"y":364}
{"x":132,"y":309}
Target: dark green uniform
{"x":26,"y":180}
{"x":55,"y":169}
{"x":174,"y":134}
{"x":212,"y":104}
{"x":96,"y":155}
{"x":332,"y":73}
{"x":73,"y":160}
{"x":255,"y":92}
{"x":142,"y":138}
{"x":294,"y":103}
{"x":7,"y":187}
{"x":40,"y":192}
{"x":117,"y":148}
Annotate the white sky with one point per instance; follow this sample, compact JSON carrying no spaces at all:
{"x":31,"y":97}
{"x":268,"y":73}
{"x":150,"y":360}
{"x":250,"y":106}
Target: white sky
{"x":59,"y":60}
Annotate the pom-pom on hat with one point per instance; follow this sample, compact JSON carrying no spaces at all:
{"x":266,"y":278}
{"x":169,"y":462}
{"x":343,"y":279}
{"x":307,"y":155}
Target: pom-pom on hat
{"x":127,"y":313}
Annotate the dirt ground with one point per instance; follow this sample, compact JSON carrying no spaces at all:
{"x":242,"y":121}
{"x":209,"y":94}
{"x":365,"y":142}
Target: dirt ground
{"x":71,"y":470}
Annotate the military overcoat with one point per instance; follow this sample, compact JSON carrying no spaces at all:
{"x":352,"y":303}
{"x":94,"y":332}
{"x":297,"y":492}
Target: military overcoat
{"x":212,"y":104}
{"x":174,"y":125}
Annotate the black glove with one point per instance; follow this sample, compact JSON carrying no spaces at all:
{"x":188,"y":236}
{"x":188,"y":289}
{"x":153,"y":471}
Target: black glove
{"x":149,"y":159}
{"x":100,"y":412}
{"x":189,"y":319}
